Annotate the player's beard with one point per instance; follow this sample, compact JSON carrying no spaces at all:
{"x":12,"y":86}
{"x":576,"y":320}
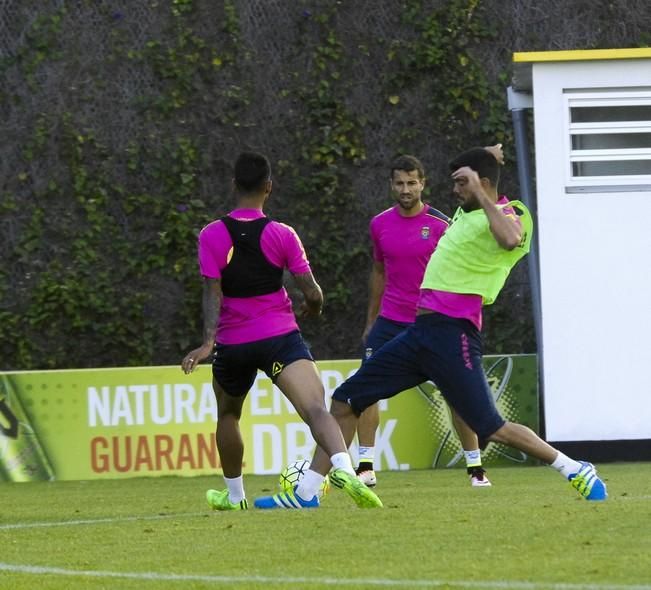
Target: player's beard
{"x":408,"y":204}
{"x":468,"y":205}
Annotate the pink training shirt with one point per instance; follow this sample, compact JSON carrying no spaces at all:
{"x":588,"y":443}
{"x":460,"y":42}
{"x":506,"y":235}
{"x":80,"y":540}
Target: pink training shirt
{"x":249,"y":319}
{"x":458,"y":305}
{"x":404,"y":245}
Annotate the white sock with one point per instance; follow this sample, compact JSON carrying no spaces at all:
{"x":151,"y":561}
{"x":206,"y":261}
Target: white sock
{"x":309,"y":485}
{"x":565,"y":466}
{"x":473,"y":458}
{"x":366,"y":454}
{"x":235,"y":487}
{"x":342,"y":461}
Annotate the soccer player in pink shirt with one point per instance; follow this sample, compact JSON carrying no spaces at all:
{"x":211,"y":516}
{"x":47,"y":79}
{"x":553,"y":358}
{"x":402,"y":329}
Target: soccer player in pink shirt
{"x":404,"y":237}
{"x":249,"y":324}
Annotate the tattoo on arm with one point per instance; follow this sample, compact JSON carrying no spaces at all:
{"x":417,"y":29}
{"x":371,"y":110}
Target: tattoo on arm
{"x":310,"y":289}
{"x":211,"y":305}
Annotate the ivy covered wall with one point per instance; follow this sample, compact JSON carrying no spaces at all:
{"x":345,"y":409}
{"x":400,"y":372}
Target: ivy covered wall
{"x":120,"y":121}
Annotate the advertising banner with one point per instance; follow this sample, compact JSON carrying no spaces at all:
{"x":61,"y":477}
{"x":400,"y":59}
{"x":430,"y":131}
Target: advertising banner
{"x":151,"y":421}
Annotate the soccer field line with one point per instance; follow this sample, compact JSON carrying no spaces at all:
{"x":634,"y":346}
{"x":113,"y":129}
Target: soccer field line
{"x":91,"y":521}
{"x":306,"y":581}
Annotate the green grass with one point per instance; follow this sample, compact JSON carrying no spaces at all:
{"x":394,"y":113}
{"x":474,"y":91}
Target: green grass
{"x":529,"y":531}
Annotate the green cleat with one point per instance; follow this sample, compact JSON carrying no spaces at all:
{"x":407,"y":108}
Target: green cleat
{"x":219,"y":501}
{"x":363,"y":496}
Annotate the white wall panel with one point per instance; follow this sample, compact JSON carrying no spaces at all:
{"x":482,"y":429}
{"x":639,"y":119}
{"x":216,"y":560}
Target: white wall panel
{"x":595,"y":275}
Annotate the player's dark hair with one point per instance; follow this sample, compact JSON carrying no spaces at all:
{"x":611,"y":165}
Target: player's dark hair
{"x":481,"y":161}
{"x":252,"y":171}
{"x":408,"y":163}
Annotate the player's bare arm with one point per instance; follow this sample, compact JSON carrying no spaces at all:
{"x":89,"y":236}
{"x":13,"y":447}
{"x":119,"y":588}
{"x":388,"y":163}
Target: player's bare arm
{"x":211,"y":306}
{"x":313,"y":303}
{"x":505,"y":228}
{"x":376,"y":284}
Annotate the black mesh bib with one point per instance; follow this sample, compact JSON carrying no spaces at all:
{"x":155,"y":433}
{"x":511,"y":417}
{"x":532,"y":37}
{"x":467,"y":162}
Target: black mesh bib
{"x":249,"y":273}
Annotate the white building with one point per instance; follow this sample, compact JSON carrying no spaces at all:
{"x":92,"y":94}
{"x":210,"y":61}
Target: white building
{"x":591,"y":265}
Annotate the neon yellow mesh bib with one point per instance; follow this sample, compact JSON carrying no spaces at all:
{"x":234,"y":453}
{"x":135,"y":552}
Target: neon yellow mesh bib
{"x":469,"y":260}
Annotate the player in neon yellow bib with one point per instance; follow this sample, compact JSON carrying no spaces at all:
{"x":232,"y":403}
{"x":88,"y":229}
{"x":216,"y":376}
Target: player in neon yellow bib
{"x":469,"y":259}
{"x":487,"y":237}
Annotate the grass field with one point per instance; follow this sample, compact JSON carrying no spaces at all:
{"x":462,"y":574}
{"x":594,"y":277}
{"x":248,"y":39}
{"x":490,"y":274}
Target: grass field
{"x":529,"y":531}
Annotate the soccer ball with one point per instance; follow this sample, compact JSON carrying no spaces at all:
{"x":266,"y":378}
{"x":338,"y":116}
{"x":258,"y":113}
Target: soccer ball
{"x":292,"y":474}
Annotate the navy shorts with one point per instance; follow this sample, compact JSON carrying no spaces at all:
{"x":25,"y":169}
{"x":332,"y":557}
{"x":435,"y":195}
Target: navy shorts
{"x":235,"y":366}
{"x":438,"y":348}
{"x":382,"y":331}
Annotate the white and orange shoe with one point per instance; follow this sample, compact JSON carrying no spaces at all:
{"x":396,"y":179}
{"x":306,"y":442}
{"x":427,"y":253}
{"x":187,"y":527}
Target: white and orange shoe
{"x":478,"y":477}
{"x":366,"y":475}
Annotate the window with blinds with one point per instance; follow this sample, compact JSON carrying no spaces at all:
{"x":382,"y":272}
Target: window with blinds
{"x":609,"y":140}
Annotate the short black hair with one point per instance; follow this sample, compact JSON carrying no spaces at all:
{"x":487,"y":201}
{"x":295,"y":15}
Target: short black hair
{"x":481,"y":161}
{"x":252,"y":171}
{"x":408,"y":163}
